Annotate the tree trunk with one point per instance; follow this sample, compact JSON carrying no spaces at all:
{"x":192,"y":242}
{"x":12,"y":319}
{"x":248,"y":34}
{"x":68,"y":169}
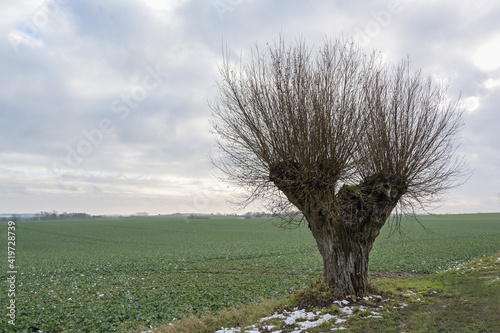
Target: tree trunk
{"x":346,"y":229}
{"x":344,"y":224}
{"x":345,"y":258}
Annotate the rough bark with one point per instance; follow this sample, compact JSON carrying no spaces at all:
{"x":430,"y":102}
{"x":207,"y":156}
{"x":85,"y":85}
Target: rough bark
{"x":344,"y":224}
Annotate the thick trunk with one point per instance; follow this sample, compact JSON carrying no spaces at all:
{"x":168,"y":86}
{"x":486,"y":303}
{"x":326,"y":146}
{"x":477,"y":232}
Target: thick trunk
{"x":346,"y":229}
{"x":344,"y":224}
{"x":345,"y":261}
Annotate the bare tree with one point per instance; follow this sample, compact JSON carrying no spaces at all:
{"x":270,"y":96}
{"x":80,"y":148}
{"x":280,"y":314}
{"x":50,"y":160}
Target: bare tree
{"x":340,"y":136}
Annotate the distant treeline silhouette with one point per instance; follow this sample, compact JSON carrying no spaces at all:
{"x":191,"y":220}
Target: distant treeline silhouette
{"x":63,"y":216}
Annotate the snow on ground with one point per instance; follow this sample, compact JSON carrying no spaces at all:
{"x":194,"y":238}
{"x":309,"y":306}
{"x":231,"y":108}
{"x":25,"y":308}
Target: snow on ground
{"x":301,"y":320}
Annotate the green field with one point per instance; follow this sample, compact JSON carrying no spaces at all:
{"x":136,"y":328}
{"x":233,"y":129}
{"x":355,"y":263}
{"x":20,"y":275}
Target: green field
{"x":101,"y":275}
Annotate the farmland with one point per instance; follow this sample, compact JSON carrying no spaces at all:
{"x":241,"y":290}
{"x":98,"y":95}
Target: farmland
{"x":101,"y":275}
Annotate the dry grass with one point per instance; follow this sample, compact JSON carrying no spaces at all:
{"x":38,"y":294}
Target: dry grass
{"x":234,"y":317}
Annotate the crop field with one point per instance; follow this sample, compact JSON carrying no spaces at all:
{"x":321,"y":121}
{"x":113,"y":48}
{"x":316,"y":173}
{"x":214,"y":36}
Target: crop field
{"x":117,"y":274}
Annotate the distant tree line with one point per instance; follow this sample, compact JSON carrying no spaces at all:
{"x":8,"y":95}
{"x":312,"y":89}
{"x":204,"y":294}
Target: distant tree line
{"x":62,"y":216}
{"x":141,"y":214}
{"x":251,"y":215}
{"x":198,"y":217}
{"x":14,"y":217}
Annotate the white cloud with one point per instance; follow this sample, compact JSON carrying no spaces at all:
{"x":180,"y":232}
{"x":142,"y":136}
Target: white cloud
{"x":487,"y":55}
{"x":60,"y":81}
{"x":492,"y":84}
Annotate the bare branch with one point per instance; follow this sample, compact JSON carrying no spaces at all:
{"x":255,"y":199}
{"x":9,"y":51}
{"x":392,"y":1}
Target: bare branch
{"x":338,"y":136}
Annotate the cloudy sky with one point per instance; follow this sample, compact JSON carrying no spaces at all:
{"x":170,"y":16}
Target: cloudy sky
{"x":103,"y":103}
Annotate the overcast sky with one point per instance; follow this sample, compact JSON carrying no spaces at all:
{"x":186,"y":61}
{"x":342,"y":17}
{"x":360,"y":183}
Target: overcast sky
{"x":103,"y":104}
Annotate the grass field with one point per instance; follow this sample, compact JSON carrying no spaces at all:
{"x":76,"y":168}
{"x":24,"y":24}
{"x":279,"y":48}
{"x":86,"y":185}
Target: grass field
{"x":104,"y":275}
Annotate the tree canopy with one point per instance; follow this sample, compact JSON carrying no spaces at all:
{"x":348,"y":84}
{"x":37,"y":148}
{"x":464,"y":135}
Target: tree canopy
{"x":334,"y":116}
{"x":339,"y":135}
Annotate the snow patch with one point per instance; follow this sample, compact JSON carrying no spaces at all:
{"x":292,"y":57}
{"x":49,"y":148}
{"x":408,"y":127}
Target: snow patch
{"x":300,"y":320}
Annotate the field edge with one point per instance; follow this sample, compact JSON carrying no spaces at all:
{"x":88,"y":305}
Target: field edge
{"x":462,"y":299}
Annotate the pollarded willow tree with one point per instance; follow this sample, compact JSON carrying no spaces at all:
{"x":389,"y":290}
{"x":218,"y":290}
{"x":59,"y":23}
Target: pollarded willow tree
{"x":339,"y":135}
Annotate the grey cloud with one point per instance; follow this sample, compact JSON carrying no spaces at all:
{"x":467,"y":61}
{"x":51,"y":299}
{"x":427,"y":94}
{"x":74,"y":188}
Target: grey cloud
{"x":57,"y":89}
